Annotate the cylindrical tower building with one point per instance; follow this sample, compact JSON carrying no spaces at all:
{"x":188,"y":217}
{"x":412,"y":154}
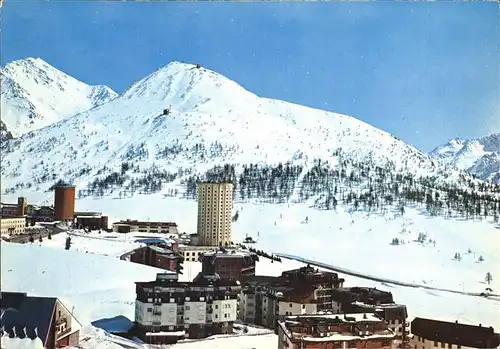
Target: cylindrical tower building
{"x":64,"y":203}
{"x":215,"y":205}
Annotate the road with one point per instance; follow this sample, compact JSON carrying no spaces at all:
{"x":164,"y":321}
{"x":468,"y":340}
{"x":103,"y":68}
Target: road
{"x":375,"y":278}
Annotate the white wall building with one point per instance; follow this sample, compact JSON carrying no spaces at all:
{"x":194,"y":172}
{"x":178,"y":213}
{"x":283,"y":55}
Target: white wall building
{"x":12,"y":225}
{"x":198,"y":309}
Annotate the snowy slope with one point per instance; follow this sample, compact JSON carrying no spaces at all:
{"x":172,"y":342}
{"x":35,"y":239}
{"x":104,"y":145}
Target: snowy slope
{"x":96,"y":286}
{"x":357,"y":241}
{"x":480,"y":157}
{"x":212,"y":120}
{"x":34,"y":94}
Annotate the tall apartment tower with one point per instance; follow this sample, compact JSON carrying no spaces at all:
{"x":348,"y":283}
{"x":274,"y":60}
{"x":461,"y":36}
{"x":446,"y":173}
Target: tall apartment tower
{"x":215,"y":206}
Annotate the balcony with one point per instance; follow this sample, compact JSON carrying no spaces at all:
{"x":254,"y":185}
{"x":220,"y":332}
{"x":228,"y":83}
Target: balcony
{"x":62,"y":327}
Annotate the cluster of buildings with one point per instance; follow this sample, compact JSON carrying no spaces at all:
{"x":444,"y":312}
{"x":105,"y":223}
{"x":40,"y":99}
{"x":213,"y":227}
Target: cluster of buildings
{"x":307,"y":308}
{"x":15,"y":218}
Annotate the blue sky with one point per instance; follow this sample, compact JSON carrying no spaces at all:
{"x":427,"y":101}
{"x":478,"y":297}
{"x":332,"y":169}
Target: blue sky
{"x":426,"y":72}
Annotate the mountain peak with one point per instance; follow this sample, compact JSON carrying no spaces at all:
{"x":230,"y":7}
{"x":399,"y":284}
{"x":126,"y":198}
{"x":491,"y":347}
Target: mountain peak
{"x":188,"y":86}
{"x":28,"y":65}
{"x":35,"y":94}
{"x":478,"y":156}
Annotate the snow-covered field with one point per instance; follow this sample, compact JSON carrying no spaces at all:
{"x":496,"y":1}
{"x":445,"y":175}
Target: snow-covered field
{"x":94,"y":338}
{"x":356,"y":242}
{"x":96,"y":286}
{"x":107,"y":244}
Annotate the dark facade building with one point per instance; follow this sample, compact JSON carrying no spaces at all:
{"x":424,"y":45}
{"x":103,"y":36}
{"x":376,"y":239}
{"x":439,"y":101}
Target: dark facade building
{"x":145,"y":227}
{"x":91,"y":220}
{"x":167,"y":310}
{"x":156,"y":256}
{"x":38,"y":320}
{"x":229,"y":264}
{"x":348,"y":298}
{"x":10,"y":210}
{"x":394,"y":314}
{"x":64,"y":203}
{"x":14,"y":210}
{"x":36,"y":214}
{"x":306,"y":290}
{"x":429,"y":333}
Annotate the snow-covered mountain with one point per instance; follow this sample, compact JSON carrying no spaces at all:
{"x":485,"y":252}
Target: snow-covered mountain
{"x":34,"y":95}
{"x":480,"y":156}
{"x":179,"y":122}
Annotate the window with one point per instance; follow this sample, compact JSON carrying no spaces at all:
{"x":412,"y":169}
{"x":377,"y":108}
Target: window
{"x":303,"y":306}
{"x":150,"y":310}
{"x":435,"y":343}
{"x":449,"y":345}
{"x":290,"y":305}
{"x":442,"y":345}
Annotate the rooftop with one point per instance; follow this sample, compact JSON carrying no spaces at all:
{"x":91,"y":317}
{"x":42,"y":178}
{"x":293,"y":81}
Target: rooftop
{"x":328,"y":327}
{"x":152,"y":240}
{"x":147,"y":223}
{"x":162,"y":250}
{"x":26,"y":315}
{"x":334,"y":318}
{"x":172,"y":280}
{"x":391,"y":311}
{"x":229,"y":253}
{"x":88,"y":214}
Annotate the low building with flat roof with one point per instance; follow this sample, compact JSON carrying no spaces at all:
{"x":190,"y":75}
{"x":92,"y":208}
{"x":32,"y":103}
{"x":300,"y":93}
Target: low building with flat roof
{"x":129,"y":225}
{"x":429,"y":333}
{"x":12,"y":225}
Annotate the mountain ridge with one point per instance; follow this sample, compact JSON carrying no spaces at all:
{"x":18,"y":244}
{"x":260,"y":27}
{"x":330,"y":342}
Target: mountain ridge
{"x":35,"y":94}
{"x":184,"y":122}
{"x":478,"y":156}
